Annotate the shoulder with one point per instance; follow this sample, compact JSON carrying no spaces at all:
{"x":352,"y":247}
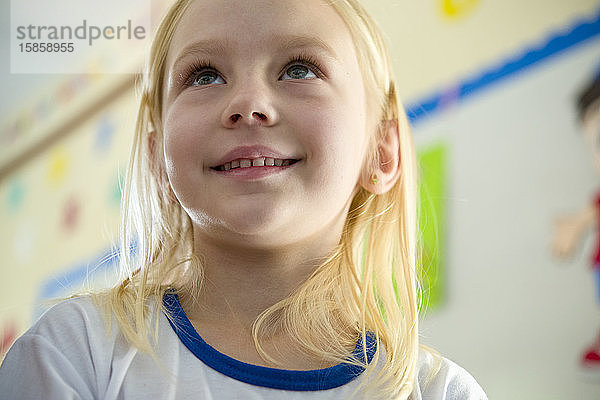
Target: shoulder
{"x":440,"y":378}
{"x":71,"y":319}
{"x":59,"y":354}
{"x":76,"y":329}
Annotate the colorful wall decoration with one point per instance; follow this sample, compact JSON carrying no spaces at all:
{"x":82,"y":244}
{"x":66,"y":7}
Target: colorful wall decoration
{"x":60,"y":212}
{"x":432,"y":193}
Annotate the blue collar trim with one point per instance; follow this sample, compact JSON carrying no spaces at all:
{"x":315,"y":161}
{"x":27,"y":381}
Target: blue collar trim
{"x":318,"y":379}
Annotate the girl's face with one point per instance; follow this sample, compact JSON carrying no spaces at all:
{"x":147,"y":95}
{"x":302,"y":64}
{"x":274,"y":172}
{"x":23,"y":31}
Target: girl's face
{"x":264,"y":83}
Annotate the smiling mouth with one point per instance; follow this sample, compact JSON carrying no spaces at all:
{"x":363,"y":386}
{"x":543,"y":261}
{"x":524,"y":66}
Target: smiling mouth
{"x":255,"y":162}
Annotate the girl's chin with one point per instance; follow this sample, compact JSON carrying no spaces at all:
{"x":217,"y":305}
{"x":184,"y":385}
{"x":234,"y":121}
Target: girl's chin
{"x":253,"y":227}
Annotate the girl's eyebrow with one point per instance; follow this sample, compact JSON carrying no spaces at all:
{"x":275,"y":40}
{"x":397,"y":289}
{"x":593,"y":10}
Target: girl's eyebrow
{"x":212,"y":47}
{"x":290,"y":42}
{"x":208,"y":47}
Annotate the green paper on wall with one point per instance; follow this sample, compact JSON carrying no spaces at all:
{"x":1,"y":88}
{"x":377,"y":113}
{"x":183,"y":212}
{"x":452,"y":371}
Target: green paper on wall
{"x":431,"y":223}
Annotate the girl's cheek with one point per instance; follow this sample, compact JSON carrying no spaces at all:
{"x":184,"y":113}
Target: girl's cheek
{"x":183,"y":140}
{"x":188,"y":118}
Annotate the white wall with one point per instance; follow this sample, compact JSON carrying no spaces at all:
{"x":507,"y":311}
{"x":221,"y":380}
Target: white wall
{"x":514,"y":316}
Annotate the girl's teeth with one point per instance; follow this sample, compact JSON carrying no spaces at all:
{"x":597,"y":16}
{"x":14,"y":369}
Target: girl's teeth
{"x":256,"y":162}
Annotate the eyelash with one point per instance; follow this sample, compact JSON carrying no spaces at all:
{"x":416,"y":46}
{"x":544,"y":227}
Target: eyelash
{"x":195,"y":67}
{"x":306,"y":60}
{"x":198,"y":66}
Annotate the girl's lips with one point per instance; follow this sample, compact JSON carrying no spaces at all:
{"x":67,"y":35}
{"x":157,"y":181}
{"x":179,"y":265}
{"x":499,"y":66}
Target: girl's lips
{"x":250,"y":173}
{"x":251,"y":152}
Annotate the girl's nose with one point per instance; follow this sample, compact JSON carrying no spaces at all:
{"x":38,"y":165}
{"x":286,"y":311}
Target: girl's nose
{"x":249,"y":106}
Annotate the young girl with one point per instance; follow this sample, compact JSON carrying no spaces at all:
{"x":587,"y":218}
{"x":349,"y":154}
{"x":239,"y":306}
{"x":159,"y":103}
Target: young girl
{"x":271,"y":196}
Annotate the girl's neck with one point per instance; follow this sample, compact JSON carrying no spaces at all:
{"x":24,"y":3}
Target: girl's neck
{"x":240,"y":283}
{"x":242,"y":279}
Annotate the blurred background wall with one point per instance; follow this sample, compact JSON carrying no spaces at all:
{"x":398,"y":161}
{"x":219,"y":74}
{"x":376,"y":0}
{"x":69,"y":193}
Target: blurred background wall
{"x":490,"y":87}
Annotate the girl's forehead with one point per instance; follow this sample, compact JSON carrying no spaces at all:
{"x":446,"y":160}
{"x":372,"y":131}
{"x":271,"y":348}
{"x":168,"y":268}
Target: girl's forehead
{"x":268,"y":13}
{"x":229,"y":25}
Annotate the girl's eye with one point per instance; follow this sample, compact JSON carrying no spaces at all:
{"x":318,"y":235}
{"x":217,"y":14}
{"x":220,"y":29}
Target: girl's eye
{"x":206,"y":77}
{"x":298,"y":71}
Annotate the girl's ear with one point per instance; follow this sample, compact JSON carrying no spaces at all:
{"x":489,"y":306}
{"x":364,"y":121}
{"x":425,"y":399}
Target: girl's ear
{"x":381,"y":175}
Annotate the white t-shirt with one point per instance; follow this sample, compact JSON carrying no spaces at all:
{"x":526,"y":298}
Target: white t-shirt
{"x":68,"y":354}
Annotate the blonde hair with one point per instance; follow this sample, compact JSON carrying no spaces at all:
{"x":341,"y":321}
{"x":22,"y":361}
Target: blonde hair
{"x":367,"y":286}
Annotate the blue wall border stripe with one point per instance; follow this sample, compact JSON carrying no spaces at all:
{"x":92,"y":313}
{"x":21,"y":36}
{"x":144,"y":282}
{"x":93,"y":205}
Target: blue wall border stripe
{"x":581,"y":31}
